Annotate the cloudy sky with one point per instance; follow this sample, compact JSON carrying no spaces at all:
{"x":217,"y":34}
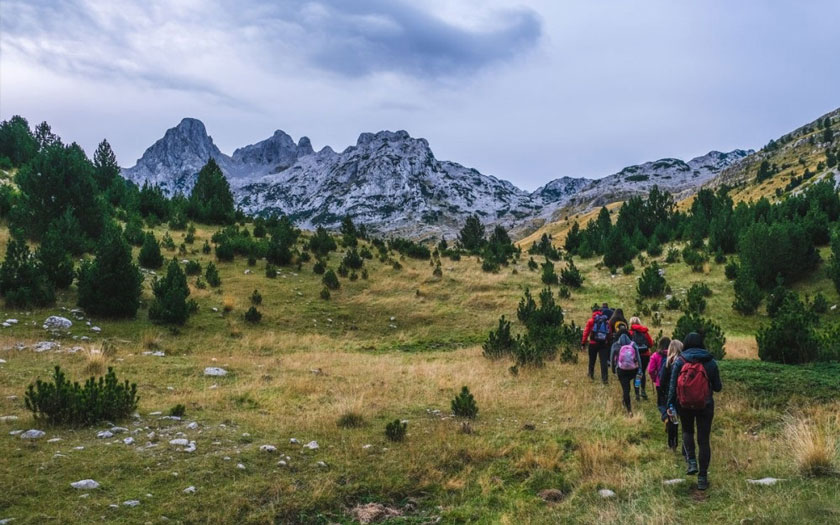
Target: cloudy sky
{"x":528,"y":91}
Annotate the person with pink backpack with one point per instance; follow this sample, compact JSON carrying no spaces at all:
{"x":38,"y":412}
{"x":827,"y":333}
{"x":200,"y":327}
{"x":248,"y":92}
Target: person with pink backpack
{"x":626,"y":363}
{"x":694,"y":378}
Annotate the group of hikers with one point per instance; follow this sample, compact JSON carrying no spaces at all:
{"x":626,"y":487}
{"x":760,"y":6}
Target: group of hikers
{"x":684,"y":374}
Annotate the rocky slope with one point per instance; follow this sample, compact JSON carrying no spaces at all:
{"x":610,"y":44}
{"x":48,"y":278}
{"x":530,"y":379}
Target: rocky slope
{"x":393,"y":183}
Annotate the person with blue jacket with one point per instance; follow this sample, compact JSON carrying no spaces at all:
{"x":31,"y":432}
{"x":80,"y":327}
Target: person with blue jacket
{"x":695,"y":352}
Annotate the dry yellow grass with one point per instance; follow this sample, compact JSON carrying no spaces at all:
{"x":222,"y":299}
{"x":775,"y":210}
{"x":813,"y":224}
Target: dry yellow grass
{"x":813,"y":444}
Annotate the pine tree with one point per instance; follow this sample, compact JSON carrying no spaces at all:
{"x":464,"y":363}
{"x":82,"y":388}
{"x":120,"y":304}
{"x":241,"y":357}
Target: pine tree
{"x":110,"y":285}
{"x":55,"y":258}
{"x":212,"y":275}
{"x":23,"y":281}
{"x":330,"y":280}
{"x":16,"y":141}
{"x":471,"y":235}
{"x":170,"y":303}
{"x":150,"y":256}
{"x":748,"y":294}
{"x":211,"y":200}
{"x":105,"y":167}
{"x":321,"y":243}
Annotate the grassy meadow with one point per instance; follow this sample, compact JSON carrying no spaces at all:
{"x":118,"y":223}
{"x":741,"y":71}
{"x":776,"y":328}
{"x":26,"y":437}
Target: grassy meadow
{"x":400,"y":345}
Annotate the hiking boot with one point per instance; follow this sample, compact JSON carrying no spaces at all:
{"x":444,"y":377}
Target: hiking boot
{"x":692,"y":467}
{"x":644,"y":394}
{"x":702,"y":482}
{"x":637,"y":397}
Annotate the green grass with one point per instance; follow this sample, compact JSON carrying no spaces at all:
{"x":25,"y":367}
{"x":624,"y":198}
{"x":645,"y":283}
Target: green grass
{"x":309,"y":362}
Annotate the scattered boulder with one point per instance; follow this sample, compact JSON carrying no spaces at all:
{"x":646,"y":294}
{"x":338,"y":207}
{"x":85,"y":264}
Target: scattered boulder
{"x":45,"y":346}
{"x":268,"y":448}
{"x":179,"y":442}
{"x":11,"y":321}
{"x":312,"y":445}
{"x":552,"y":495}
{"x":131,"y":503}
{"x":321,"y":464}
{"x":764,"y":481}
{"x":373,"y":513}
{"x":676,"y":481}
{"x":33,"y":434}
{"x":215,"y":371}
{"x":104,"y":434}
{"x":95,"y":329}
{"x":189,"y":490}
{"x":55,"y":322}
{"x":118,"y":430}
{"x":192,"y":426}
{"x":128,"y":441}
{"x":606,"y":493}
{"x":240,"y":466}
{"x":85,"y":484}
{"x":294,"y":441}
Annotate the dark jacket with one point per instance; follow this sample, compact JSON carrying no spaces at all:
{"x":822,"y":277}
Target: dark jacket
{"x":694,"y":355}
{"x":624,"y":339}
{"x":637,"y":328}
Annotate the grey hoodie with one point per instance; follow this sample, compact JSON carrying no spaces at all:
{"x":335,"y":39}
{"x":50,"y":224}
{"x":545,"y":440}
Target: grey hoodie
{"x":616,"y":346}
{"x":694,"y":355}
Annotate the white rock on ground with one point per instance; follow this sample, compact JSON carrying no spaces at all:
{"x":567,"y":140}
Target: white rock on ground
{"x":190,"y":447}
{"x":215,"y":371}
{"x":104,"y":434}
{"x":118,"y":430}
{"x":606,"y":493}
{"x":33,"y":434}
{"x":54,"y":440}
{"x":45,"y":346}
{"x":189,"y":490}
{"x":179,"y":442}
{"x":268,"y":448}
{"x":131,"y":503}
{"x":764,"y":481}
{"x":128,"y":441}
{"x":240,"y":466}
{"x":321,"y":464}
{"x":95,"y":329}
{"x":312,"y":445}
{"x":55,"y":322}
{"x":294,"y":441}
{"x":12,"y":321}
{"x":85,"y":484}
{"x":673,"y":481}
{"x":192,"y":426}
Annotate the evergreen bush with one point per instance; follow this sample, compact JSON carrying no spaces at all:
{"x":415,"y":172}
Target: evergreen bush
{"x":211,"y":274}
{"x":628,"y":268}
{"x":499,"y":343}
{"x":171,"y":292}
{"x":193,"y":268}
{"x":110,"y":285}
{"x":548,"y":276}
{"x":790,"y":338}
{"x":571,"y":276}
{"x":330,"y":280}
{"x":651,"y":283}
{"x":713,"y":336}
{"x":270,"y":271}
{"x":396,"y":430}
{"x":61,"y":403}
{"x":55,"y":258}
{"x":23,"y":280}
{"x":150,"y":256}
{"x":256,"y":298}
{"x":463,"y":405}
{"x":325,"y":293}
{"x":253,"y":315}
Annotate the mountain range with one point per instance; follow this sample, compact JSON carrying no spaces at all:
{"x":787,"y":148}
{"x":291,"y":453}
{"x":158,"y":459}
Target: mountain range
{"x":393,"y":183}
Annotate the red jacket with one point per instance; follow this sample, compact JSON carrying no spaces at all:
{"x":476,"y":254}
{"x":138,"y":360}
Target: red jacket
{"x":587,"y":331}
{"x":644,"y":331}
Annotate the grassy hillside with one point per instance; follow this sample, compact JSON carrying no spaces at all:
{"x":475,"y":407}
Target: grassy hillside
{"x":399,"y":346}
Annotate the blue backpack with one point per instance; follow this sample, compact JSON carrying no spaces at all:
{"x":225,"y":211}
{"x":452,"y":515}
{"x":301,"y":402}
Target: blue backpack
{"x":600,"y":329}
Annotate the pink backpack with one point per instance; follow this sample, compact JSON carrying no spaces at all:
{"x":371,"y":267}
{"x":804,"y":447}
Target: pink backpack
{"x":627,"y":357}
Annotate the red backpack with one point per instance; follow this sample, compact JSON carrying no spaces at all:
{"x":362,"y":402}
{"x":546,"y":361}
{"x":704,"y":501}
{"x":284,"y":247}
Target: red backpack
{"x":693,"y":386}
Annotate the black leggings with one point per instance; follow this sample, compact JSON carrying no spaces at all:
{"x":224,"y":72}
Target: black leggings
{"x":670,"y":428}
{"x":599,"y":350}
{"x":645,"y":361}
{"x":703,"y":419}
{"x":625,"y":377}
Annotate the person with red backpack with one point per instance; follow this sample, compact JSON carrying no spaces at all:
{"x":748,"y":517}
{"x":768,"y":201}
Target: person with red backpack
{"x":639,"y":334}
{"x":694,"y":378}
{"x":626,"y":363}
{"x":596,"y":334}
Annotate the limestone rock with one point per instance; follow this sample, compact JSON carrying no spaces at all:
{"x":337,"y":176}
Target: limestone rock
{"x":85,"y":484}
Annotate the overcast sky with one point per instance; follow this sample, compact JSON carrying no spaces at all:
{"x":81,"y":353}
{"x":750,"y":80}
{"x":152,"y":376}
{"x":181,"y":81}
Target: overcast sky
{"x":527,"y":91}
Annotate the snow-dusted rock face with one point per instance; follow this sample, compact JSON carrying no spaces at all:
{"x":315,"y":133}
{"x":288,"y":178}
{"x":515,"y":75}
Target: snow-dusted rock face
{"x":389,"y":181}
{"x":392,"y":182}
{"x":673,"y":175}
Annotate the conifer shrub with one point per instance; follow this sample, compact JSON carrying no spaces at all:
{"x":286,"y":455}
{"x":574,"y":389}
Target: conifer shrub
{"x":353,"y":276}
{"x":395,"y":430}
{"x":225,"y":250}
{"x":212,"y":275}
{"x":61,"y":402}
{"x":206,"y":248}
{"x":178,"y":410}
{"x":696,"y":298}
{"x":820,"y":304}
{"x":731,"y":270}
{"x":23,"y":279}
{"x":319,"y":268}
{"x":489,"y":265}
{"x":500,"y":343}
{"x":463,"y":405}
{"x":325,"y":293}
{"x":628,"y":268}
{"x":150,"y":256}
{"x":133,"y":231}
{"x":570,"y":275}
{"x":55,"y":258}
{"x":777,"y":297}
{"x":365,"y":253}
{"x":330,"y":280}
{"x":654,"y":249}
{"x":252,"y":260}
{"x":564,"y":292}
{"x":532,"y":264}
{"x":694,"y":258}
{"x":545,"y":331}
{"x":672,"y":256}
{"x":351,"y":420}
{"x":256,"y":298}
{"x":651,"y":283}
{"x":304,"y":257}
{"x":170,"y":303}
{"x":321,"y":243}
{"x":748,"y":294}
{"x":780,"y":342}
{"x":548,"y":276}
{"x":397,"y":266}
{"x":437,"y":272}
{"x":168,"y":242}
{"x":342,"y":270}
{"x":110,"y":284}
{"x":252,"y":315}
{"x":713,"y":335}
{"x":673,"y":303}
{"x":270,"y":271}
{"x":352,"y":260}
{"x":364,"y":274}
{"x":193,"y":268}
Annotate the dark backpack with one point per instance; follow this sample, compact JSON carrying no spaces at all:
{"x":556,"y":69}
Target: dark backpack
{"x":599,"y":328}
{"x":693,"y":389}
{"x":640,"y":340}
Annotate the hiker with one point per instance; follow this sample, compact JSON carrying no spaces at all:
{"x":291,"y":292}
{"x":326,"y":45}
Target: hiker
{"x":596,"y":334}
{"x":639,"y":334}
{"x":694,"y":378}
{"x":606,"y":310}
{"x":660,"y":373}
{"x":617,"y":321}
{"x":625,"y":360}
